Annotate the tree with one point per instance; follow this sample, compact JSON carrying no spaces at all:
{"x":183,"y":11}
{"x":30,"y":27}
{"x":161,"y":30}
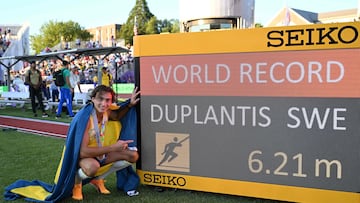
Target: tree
{"x":146,"y":23}
{"x":175,"y":26}
{"x":52,"y":33}
{"x":152,"y":26}
{"x":143,"y":15}
{"x":171,"y":26}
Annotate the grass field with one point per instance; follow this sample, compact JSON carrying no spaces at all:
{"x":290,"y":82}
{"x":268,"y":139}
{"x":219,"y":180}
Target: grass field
{"x":26,"y":112}
{"x":33,"y":157}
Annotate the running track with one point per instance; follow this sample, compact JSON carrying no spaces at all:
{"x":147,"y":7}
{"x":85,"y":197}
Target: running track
{"x":42,"y":127}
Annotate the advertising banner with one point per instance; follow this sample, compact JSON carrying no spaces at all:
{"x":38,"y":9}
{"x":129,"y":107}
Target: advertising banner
{"x":278,"y":119}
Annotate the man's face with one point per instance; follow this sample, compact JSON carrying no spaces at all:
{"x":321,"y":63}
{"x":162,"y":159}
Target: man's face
{"x":102,"y":101}
{"x":59,"y":63}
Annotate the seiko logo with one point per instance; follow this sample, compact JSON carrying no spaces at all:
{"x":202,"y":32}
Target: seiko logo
{"x":312,"y":36}
{"x":164,"y":180}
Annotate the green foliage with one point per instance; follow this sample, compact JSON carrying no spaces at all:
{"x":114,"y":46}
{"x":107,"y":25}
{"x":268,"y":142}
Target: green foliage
{"x":84,"y":35}
{"x":53,"y":32}
{"x":146,"y":23}
{"x":37,"y":42}
{"x":152,"y":26}
{"x":175,"y":26}
{"x":170,"y":26}
{"x":142,"y":14}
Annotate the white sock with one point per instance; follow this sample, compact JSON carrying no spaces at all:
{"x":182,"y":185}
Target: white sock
{"x":81,"y":174}
{"x":115,"y":167}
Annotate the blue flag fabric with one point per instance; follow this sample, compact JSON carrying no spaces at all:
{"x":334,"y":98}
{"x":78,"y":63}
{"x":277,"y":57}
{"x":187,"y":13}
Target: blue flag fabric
{"x":69,"y":164}
{"x":127,"y":178}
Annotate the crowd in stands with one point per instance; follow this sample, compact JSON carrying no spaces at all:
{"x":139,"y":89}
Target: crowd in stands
{"x":119,"y":66}
{"x":5,"y":40}
{"x":82,"y":44}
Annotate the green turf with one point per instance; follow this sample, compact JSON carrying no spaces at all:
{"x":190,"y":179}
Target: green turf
{"x":26,"y":112}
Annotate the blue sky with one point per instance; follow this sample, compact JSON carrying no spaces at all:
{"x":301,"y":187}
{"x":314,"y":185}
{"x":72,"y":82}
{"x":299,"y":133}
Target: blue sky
{"x":93,"y":13}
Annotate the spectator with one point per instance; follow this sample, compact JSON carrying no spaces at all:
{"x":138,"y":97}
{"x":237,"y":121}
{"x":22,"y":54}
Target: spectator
{"x":95,"y":80}
{"x":54,"y":90}
{"x":33,"y":79}
{"x":83,"y":155}
{"x":18,"y":84}
{"x":77,"y":42}
{"x":94,"y":151}
{"x":65,"y":92}
{"x":74,"y":80}
{"x":106,"y":77}
{"x":113,"y":41}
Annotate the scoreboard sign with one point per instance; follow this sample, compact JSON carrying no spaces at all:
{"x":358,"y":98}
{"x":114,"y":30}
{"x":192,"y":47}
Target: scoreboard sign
{"x":270,"y":112}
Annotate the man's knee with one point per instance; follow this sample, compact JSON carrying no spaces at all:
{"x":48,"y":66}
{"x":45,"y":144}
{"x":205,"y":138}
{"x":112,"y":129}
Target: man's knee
{"x":134,"y":156}
{"x":90,"y":169}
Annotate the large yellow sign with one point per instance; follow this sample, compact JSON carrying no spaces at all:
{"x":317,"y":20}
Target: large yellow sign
{"x":309,"y":37}
{"x":266,"y":112}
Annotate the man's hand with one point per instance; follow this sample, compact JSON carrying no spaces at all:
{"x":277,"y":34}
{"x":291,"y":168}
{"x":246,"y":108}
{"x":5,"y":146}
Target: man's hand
{"x":134,"y":97}
{"x":122,"y":145}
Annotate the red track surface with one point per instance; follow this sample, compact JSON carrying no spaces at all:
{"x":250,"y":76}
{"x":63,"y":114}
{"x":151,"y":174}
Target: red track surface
{"x":47,"y":128}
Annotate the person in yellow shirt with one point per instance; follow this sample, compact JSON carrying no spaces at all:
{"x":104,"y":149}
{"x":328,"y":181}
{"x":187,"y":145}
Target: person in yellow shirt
{"x":95,"y":80}
{"x":106,"y":77}
{"x":91,"y":151}
{"x":100,"y":145}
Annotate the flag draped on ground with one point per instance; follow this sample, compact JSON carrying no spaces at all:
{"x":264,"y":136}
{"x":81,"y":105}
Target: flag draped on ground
{"x":38,"y":191}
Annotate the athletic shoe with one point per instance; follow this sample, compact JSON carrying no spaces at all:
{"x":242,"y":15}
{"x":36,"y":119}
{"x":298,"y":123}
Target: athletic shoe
{"x":99,"y":185}
{"x":45,"y":115}
{"x":77,"y":192}
{"x":132,"y":193}
{"x":57,"y":116}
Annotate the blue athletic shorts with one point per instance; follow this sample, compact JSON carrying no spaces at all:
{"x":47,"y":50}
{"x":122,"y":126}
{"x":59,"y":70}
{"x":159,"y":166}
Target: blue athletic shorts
{"x":101,"y":162}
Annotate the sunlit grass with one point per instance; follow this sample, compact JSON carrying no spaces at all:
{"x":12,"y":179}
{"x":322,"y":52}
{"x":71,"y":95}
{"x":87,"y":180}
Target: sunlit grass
{"x":26,"y":112}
